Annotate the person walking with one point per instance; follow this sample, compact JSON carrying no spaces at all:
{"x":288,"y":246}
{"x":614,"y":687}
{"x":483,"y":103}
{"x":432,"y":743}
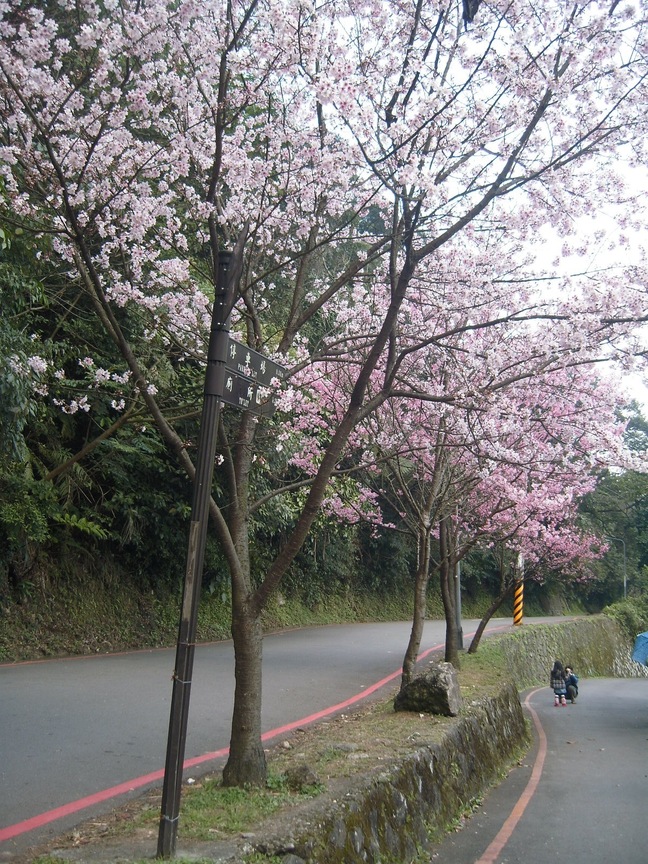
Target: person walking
{"x":558,"y":684}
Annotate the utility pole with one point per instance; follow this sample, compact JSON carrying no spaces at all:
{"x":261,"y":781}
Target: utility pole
{"x":625,"y":566}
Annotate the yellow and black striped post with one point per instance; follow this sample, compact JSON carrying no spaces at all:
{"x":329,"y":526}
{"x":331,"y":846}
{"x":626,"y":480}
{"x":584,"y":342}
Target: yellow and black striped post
{"x":518,"y":602}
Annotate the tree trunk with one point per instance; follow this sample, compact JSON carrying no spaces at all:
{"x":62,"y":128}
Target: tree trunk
{"x":246,"y":764}
{"x":492,"y":609}
{"x":452,"y":634}
{"x":420,"y":603}
{"x":448,"y":594}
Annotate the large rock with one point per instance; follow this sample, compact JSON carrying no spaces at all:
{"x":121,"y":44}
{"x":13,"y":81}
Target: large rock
{"x":300,"y":777}
{"x":435,"y":691}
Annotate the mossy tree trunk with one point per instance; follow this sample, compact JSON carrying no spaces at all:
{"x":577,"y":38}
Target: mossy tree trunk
{"x":447,"y":567}
{"x":420,"y":603}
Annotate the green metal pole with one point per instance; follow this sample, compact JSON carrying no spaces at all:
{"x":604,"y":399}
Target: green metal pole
{"x":625,"y":565}
{"x":214,"y":379}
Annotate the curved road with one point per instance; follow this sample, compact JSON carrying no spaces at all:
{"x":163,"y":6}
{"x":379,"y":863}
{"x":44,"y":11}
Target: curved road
{"x":579,"y":796}
{"x":79,"y":734}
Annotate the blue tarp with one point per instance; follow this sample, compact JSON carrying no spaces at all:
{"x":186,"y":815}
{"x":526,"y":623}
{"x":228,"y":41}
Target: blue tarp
{"x":640,"y":651}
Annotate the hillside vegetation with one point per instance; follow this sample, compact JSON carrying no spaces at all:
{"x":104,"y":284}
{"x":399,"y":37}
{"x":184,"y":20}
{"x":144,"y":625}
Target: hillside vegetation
{"x":98,"y":616}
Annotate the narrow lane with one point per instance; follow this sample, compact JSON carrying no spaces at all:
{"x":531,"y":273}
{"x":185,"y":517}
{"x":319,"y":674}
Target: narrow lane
{"x":590,"y":802}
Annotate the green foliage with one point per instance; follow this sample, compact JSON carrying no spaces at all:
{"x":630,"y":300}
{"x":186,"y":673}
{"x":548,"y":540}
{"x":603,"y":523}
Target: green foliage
{"x":631,"y":615}
{"x":386,"y":560}
{"x":125,"y":491}
{"x":16,"y":404}
{"x":85,"y":526}
{"x":25,"y":507}
{"x":146,"y":500}
{"x":210,"y":808}
{"x":338,"y":559}
{"x":480,"y":575}
{"x":617,"y":512}
{"x":20,"y":291}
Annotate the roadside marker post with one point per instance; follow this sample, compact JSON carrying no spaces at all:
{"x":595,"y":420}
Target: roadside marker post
{"x":518,"y":598}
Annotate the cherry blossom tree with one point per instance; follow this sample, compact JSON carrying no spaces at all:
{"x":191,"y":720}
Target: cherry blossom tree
{"x":370,"y":153}
{"x":527,"y":506}
{"x":506,"y":469}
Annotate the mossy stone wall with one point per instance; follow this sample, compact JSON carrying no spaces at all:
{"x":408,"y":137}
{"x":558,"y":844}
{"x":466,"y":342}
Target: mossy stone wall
{"x":593,"y":646}
{"x":388,"y":815}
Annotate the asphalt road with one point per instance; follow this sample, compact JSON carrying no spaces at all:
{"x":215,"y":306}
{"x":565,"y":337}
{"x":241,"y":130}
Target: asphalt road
{"x":579,"y":796}
{"x":80,"y":734}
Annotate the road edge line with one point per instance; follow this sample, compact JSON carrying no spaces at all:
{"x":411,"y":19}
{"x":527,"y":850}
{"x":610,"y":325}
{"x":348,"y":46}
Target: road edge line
{"x":506,"y":831}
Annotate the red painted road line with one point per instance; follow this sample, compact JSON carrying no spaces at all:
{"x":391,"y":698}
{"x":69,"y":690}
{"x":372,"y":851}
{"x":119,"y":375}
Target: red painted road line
{"x":129,"y":786}
{"x":123,"y":788}
{"x":75,"y":806}
{"x":491,"y":855}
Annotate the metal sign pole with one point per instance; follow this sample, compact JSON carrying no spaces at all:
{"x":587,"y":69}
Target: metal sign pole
{"x":185,"y":650}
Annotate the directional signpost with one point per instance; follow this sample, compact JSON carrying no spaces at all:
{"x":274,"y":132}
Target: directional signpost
{"x":248,"y":374}
{"x":246,"y":394}
{"x":253,"y":365}
{"x":240,"y":377}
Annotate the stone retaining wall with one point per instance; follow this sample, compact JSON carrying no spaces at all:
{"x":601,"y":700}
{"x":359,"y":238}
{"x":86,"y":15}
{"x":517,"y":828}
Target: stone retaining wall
{"x":388,"y":814}
{"x":592,"y":646}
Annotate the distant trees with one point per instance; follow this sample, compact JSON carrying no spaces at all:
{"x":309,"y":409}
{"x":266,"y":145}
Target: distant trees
{"x":617,"y":511}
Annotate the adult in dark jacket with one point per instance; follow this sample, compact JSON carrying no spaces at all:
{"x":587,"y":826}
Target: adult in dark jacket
{"x":571,"y":684}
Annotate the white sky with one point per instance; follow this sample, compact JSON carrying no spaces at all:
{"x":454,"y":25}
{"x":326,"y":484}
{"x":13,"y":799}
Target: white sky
{"x":599,"y":257}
